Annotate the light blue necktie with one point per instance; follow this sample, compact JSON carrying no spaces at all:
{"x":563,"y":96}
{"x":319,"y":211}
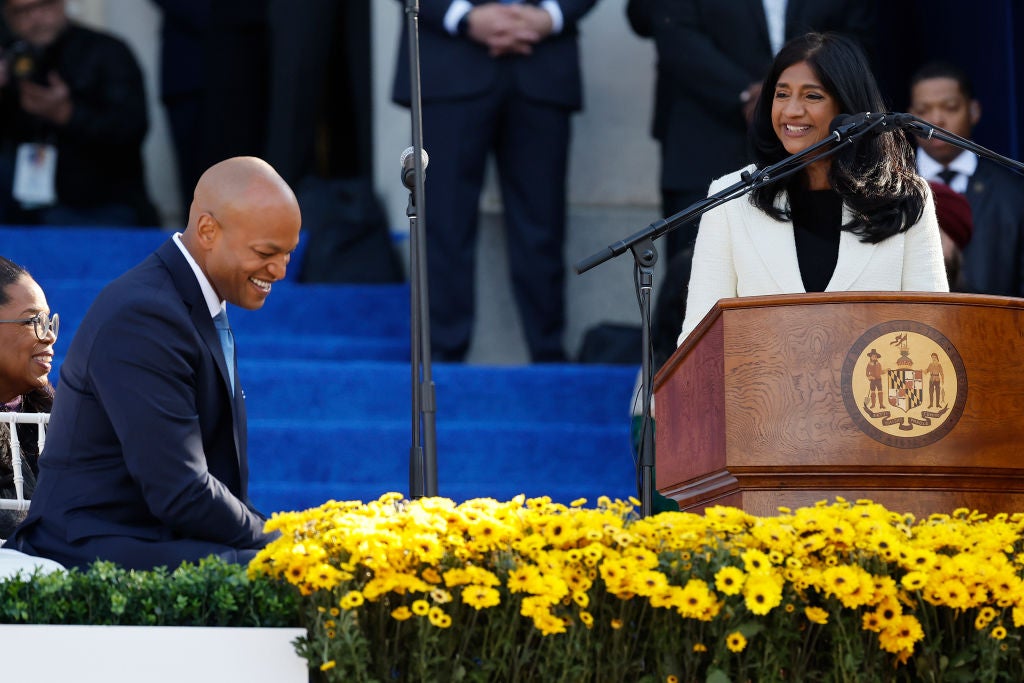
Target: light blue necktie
{"x":227,"y":343}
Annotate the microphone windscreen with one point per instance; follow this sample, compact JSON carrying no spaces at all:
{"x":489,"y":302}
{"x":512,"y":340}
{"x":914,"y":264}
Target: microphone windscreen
{"x":424,"y":157}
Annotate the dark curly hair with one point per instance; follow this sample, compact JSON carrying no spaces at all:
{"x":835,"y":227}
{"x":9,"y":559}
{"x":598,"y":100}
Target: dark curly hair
{"x":876,"y":176}
{"x":9,"y":273}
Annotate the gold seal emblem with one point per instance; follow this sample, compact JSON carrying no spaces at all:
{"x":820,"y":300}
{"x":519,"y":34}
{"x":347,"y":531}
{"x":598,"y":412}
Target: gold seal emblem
{"x":904,"y":384}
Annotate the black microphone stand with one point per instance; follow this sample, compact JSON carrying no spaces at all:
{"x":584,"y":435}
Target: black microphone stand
{"x":926,"y":130}
{"x":422,"y":456}
{"x":645,"y":255}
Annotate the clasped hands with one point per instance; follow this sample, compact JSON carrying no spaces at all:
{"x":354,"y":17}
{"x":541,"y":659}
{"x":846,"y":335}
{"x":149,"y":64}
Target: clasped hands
{"x":51,"y":101}
{"x":511,"y":29}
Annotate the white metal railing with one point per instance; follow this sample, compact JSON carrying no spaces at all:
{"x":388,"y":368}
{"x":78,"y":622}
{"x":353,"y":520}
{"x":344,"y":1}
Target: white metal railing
{"x":41,"y":420}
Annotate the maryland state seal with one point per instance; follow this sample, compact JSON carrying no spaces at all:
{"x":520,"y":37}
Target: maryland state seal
{"x":904,"y":384}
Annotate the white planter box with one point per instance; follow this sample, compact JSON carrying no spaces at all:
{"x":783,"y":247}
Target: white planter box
{"x":155,"y":654}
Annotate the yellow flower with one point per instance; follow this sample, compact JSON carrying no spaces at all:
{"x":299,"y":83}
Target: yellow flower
{"x":439,"y":618}
{"x":736,"y":642}
{"x":756,"y":561}
{"x":480,"y":597}
{"x":587,"y":618}
{"x":696,"y":601}
{"x":730,"y":580}
{"x":351,"y":600}
{"x":998,"y":633}
{"x":984,"y":618}
{"x":327,"y":666}
{"x":914,"y":581}
{"x":816,"y":615}
{"x":616,"y":624}
{"x":440,"y":596}
{"x":672,"y":678}
{"x":700,"y":647}
{"x":762,"y":593}
{"x":420,"y":608}
{"x":401,"y":613}
{"x":901,"y":634}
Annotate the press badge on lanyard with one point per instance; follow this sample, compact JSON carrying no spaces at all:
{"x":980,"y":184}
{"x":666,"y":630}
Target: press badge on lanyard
{"x":35,"y":171}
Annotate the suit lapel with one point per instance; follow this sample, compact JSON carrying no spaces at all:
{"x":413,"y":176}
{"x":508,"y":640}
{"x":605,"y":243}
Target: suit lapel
{"x":793,"y":21}
{"x":185,"y":282}
{"x":756,"y":11}
{"x":774,"y":243}
{"x":854,"y":256}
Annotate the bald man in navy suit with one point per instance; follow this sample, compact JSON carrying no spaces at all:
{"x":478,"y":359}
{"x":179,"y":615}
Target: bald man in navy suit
{"x":145,"y":461}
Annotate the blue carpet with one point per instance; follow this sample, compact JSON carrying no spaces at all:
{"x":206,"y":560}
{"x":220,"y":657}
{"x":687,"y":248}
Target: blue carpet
{"x":328,"y":390}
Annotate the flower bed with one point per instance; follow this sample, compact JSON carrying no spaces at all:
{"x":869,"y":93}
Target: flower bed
{"x":529,"y":590}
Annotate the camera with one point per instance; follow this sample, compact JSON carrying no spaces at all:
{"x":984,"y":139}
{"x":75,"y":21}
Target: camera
{"x":25,"y":62}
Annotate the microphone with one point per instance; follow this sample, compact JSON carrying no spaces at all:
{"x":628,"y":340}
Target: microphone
{"x":871,"y":124}
{"x":408,"y":166}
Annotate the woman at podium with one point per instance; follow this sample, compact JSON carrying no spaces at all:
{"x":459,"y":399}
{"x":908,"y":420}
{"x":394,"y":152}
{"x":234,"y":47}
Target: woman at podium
{"x":861,"y":219}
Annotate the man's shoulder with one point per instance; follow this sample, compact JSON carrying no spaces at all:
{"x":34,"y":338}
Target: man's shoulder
{"x":80,"y":37}
{"x":995,"y":172}
{"x":152,"y":278}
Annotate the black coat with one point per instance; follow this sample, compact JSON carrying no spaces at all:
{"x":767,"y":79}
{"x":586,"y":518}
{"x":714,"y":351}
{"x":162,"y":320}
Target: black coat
{"x":994,"y":258}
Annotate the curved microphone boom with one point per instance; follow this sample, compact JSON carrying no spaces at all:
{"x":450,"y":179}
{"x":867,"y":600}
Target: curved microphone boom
{"x":409,"y":166}
{"x":868,"y":123}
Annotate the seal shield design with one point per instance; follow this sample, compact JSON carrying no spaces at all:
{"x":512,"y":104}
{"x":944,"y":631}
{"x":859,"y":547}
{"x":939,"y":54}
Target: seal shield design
{"x":904,"y":384}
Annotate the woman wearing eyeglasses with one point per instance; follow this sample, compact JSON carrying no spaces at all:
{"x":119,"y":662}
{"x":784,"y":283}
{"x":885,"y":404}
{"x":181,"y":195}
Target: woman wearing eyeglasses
{"x":27,"y":333}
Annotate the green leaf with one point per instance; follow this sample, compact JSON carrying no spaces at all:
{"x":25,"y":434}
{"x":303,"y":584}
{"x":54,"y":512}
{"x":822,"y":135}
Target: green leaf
{"x":717,"y":676}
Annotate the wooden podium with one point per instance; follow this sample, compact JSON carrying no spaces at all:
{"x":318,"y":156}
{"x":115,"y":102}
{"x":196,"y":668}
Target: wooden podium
{"x":787,"y":400}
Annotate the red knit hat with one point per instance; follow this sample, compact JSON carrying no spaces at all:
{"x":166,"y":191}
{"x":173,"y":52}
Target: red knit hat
{"x":954,"y":213}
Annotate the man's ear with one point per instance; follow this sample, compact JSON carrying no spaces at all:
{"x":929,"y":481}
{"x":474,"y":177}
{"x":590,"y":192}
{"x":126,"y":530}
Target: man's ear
{"x":975,"y":112}
{"x":207,"y":229}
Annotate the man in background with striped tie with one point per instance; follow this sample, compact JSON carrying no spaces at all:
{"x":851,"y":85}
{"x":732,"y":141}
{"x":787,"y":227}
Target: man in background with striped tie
{"x":993,"y":261}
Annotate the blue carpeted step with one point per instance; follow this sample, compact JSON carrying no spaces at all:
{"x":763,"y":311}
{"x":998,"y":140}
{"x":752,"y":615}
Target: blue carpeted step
{"x":297,"y":321}
{"x":349,"y":310}
{"x":78,"y":253}
{"x":365,"y":459}
{"x":574,"y":394}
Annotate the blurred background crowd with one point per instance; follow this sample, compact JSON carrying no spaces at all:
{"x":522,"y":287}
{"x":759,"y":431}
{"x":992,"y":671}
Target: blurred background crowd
{"x":307,"y":85}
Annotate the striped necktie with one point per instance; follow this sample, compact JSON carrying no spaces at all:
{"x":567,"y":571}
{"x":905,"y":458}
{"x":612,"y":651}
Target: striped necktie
{"x":227,"y":343}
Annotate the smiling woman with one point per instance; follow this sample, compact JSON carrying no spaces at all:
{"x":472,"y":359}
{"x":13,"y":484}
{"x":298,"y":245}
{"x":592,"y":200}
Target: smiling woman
{"x":27,"y":334}
{"x":859,"y":219}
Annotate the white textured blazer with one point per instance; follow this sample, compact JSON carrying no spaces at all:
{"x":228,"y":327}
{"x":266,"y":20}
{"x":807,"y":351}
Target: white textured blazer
{"x":742,"y":251}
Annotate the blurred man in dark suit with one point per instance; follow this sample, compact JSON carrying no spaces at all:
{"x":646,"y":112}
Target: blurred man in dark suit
{"x":993,"y":261}
{"x":502,"y":78}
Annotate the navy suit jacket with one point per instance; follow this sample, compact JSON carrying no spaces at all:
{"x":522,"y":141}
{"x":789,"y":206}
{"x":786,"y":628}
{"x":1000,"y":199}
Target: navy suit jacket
{"x":146,"y":444}
{"x":455,"y":67}
{"x":709,"y":51}
{"x":994,"y":258}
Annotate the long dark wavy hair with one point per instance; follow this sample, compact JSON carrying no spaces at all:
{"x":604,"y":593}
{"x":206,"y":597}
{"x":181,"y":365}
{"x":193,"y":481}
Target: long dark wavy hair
{"x":876,"y":176}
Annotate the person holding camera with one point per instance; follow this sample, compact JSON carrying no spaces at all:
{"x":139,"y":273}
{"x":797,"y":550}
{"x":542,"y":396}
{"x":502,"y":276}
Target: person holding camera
{"x":72,"y":121}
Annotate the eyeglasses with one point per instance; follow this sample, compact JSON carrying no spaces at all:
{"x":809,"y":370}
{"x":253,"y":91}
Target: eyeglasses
{"x":43,"y":322}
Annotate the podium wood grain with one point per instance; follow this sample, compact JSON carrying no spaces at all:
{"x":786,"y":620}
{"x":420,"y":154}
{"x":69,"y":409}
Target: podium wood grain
{"x":750,"y":407}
